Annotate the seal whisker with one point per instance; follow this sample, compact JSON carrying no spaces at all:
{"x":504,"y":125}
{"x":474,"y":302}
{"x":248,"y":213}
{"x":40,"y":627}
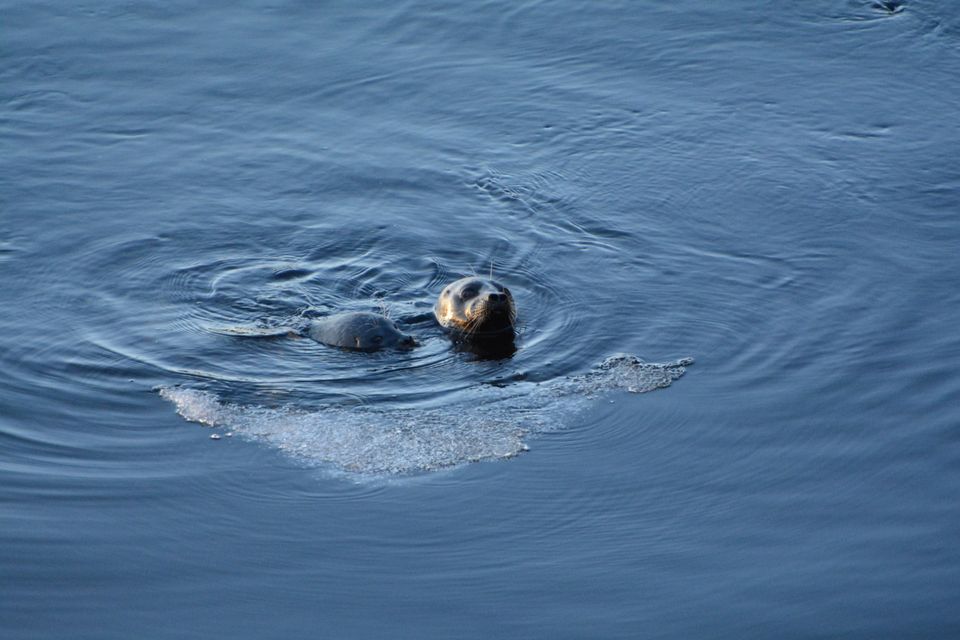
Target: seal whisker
{"x":472,"y":325}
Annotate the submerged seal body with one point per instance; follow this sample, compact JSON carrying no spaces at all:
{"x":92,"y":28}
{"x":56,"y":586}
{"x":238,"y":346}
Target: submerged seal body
{"x":362,"y":331}
{"x":477,"y":310}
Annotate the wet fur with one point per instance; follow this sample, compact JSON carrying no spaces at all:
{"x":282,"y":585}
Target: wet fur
{"x":359,"y":331}
{"x":476,"y":316}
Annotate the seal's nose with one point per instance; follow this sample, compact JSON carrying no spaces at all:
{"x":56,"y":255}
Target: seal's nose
{"x":497,"y":297}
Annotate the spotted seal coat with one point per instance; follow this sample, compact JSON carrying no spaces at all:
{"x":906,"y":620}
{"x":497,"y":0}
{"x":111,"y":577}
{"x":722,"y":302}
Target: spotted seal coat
{"x":360,"y":331}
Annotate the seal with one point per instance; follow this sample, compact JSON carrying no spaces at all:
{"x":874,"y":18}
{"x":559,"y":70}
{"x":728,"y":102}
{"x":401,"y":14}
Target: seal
{"x":360,"y":331}
{"x":477,"y":310}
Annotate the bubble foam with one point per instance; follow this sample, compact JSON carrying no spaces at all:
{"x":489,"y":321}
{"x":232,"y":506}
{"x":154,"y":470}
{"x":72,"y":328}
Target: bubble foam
{"x":491,"y":423}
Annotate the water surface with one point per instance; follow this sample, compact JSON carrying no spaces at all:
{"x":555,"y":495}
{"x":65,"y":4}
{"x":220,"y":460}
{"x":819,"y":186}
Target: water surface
{"x":769,"y":188}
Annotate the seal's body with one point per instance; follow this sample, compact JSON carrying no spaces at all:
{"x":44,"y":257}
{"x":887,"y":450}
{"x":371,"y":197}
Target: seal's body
{"x":477,"y":309}
{"x":361,"y":331}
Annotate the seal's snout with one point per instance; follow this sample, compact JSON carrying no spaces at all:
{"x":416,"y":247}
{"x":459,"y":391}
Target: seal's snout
{"x":407,"y":342}
{"x":497,"y":297}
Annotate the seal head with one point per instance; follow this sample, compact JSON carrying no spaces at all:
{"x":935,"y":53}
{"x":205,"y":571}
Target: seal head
{"x":477,"y":310}
{"x":360,"y":331}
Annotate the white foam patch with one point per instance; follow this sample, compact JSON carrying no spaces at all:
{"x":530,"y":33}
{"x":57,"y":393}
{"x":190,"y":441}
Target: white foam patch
{"x":625,"y":372}
{"x":492,"y":423}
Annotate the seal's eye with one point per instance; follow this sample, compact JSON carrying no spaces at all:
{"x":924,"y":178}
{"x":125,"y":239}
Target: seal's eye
{"x":377,"y":339}
{"x":468,"y":293}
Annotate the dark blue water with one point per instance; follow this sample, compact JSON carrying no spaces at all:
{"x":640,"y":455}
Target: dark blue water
{"x":770,"y":188}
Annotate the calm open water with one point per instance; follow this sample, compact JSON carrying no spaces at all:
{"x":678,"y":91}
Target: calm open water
{"x":769,"y":188}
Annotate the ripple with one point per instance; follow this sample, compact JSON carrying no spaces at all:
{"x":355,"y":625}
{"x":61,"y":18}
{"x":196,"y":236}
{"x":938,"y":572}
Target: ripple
{"x":218,"y":312}
{"x":533,"y":193}
{"x":228,"y":315}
